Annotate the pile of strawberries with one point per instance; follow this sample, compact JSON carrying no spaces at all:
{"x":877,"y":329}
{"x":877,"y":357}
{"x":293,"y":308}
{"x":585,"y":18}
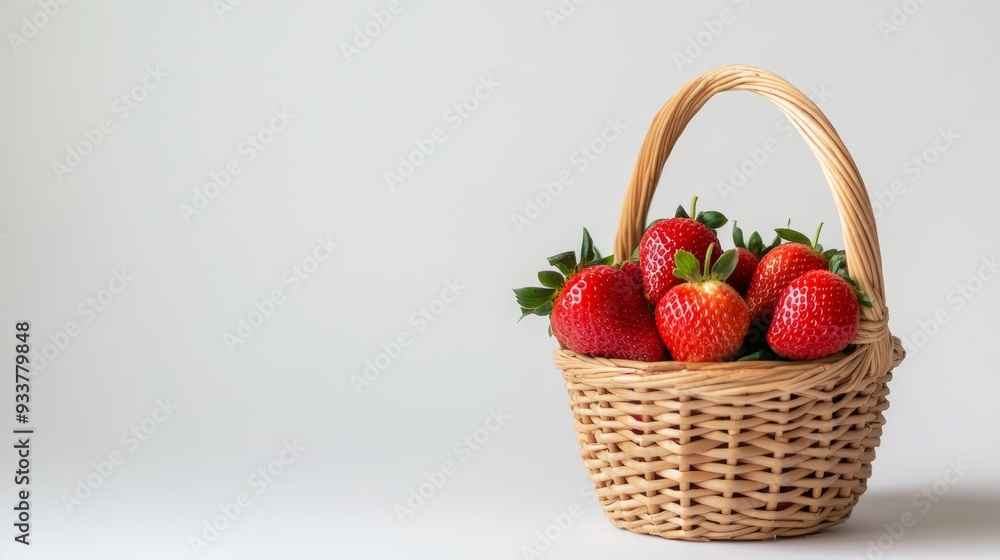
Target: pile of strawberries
{"x":681,"y":297}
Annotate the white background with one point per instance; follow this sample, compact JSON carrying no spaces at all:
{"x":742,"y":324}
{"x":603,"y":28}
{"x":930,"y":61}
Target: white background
{"x":893,"y":77}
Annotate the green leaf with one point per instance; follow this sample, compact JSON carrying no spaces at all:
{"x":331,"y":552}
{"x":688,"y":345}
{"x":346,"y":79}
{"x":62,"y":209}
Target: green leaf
{"x":793,"y":236}
{"x":565,"y":262}
{"x":550,"y":329}
{"x":587,"y":253}
{"x":756,"y":245}
{"x":774,"y":242}
{"x":680,"y":213}
{"x":609,"y":260}
{"x":714,"y":220}
{"x":551,"y":279}
{"x":545,"y":310}
{"x":738,"y":236}
{"x":843,"y":274}
{"x":863,"y":299}
{"x":635,"y":255}
{"x":838,"y":261}
{"x":725,"y":265}
{"x":533,"y":298}
{"x":686,"y":266}
{"x":830,"y":253}
{"x":761,"y":354}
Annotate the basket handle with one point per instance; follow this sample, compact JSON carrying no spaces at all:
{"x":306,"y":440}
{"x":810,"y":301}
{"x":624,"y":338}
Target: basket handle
{"x":864,"y":259}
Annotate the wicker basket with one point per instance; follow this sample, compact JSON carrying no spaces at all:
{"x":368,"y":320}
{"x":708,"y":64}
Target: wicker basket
{"x":739,"y":450}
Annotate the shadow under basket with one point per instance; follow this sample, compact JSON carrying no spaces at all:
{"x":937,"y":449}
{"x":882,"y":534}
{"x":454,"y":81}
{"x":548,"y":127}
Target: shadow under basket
{"x":739,"y":450}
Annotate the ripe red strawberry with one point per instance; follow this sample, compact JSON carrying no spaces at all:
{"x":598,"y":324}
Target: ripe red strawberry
{"x":664,"y":238}
{"x":779,"y":267}
{"x":703,"y":319}
{"x":749,"y":256}
{"x":595,"y":308}
{"x":634,"y":272}
{"x":746,"y":264}
{"x":816,"y":315}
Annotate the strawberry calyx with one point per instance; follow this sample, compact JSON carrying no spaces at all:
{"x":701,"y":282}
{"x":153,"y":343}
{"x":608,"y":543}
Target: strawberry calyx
{"x":687,"y":267}
{"x":712,"y":219}
{"x":756,"y":244}
{"x":838,"y":266}
{"x":540,"y":300}
{"x":793,"y":236}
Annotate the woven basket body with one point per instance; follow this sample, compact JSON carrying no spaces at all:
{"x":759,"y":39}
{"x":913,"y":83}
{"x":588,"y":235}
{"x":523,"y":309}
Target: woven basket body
{"x":739,"y":450}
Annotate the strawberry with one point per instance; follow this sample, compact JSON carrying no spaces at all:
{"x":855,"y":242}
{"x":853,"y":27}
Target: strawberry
{"x":634,"y":272}
{"x":704,"y":319}
{"x":749,"y":256}
{"x":663,"y":238}
{"x":779,"y":267}
{"x":594,"y":308}
{"x":746,"y":264}
{"x":816,"y":315}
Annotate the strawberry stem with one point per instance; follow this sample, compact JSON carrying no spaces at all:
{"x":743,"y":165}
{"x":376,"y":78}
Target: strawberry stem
{"x":694,"y":206}
{"x":708,"y":260}
{"x":816,"y":238}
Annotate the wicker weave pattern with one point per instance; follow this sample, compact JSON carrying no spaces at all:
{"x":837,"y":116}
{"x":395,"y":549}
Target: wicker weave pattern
{"x":739,"y":450}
